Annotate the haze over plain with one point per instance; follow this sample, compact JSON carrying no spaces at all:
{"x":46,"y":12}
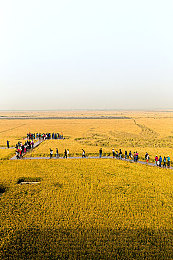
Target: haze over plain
{"x":86,"y":55}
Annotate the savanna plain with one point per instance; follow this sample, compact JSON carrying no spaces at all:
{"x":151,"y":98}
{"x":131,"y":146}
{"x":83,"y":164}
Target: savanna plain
{"x":87,"y":208}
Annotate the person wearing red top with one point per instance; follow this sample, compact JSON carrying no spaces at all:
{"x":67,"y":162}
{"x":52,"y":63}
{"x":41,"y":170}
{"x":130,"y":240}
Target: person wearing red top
{"x":156,"y":160}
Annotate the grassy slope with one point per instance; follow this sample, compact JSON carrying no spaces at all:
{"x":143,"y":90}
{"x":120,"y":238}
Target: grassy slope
{"x":86,"y":208}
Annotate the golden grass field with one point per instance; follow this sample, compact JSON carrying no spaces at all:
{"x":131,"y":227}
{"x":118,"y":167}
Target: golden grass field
{"x":144,"y":132}
{"x":6,"y":154}
{"x":88,"y":209}
{"x":95,"y":208}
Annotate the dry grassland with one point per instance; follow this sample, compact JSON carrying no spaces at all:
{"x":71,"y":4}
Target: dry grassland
{"x":87,"y":209}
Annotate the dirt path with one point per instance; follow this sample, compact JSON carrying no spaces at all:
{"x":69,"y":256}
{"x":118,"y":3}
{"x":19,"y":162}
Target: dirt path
{"x":87,"y":158}
{"x":7,"y":148}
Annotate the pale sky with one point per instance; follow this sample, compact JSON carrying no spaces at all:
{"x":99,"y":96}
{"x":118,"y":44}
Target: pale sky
{"x":94,"y":54}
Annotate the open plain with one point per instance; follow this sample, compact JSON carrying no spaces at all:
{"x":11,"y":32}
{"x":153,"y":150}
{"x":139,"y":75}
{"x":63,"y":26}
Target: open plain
{"x":87,"y":209}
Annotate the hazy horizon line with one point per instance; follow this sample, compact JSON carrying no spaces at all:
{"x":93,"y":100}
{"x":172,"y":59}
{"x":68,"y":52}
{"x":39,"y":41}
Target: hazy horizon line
{"x":87,"y":109}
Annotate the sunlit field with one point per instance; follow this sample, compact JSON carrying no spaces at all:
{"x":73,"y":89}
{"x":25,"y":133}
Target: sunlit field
{"x":6,"y":153}
{"x":143,"y":132}
{"x":87,"y":209}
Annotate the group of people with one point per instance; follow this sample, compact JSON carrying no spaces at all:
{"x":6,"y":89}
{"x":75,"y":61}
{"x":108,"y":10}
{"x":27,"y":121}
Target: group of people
{"x":135,"y":156}
{"x":165,"y":160}
{"x":21,"y":149}
{"x":32,"y":136}
{"x":66,"y":153}
{"x":120,"y":155}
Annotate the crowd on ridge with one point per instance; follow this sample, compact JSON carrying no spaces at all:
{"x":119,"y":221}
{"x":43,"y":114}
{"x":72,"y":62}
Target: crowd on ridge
{"x":44,"y":136}
{"x":21,"y":149}
{"x":119,"y":155}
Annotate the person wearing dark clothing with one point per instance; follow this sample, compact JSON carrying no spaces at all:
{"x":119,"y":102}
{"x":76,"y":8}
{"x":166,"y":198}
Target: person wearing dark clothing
{"x":100,"y":153}
{"x":146,"y":156}
{"x":137,"y":156}
{"x":32,"y":144}
{"x":51,"y":153}
{"x":130,"y":155}
{"x":116,"y":154}
{"x":113,"y":153}
{"x":168,"y":161}
{"x":120,"y":154}
{"x":83,"y":153}
{"x":134,"y":157}
{"x":164,"y":162}
{"x":125,"y":154}
{"x":160,"y":161}
{"x":17,"y":154}
{"x":57,"y":153}
{"x":8,"y":144}
{"x":65,"y":154}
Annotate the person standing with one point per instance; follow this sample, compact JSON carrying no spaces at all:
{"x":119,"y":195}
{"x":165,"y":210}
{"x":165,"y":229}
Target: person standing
{"x":25,"y":148}
{"x":83,"y":153}
{"x":134,"y":157}
{"x":164,"y":162}
{"x":160,"y":161}
{"x":32,"y":144}
{"x":20,"y":151}
{"x":113,"y":153}
{"x":120,"y":154}
{"x":125,"y":154}
{"x":168,"y":161}
{"x":8,"y":144}
{"x":116,"y":154}
{"x":156,"y":160}
{"x":147,"y":157}
{"x":51,"y":153}
{"x":17,"y":154}
{"x":65,"y":154}
{"x":57,"y":153}
{"x":130,"y":155}
{"x":68,"y":152}
{"x":137,"y":156}
{"x":100,"y":153}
